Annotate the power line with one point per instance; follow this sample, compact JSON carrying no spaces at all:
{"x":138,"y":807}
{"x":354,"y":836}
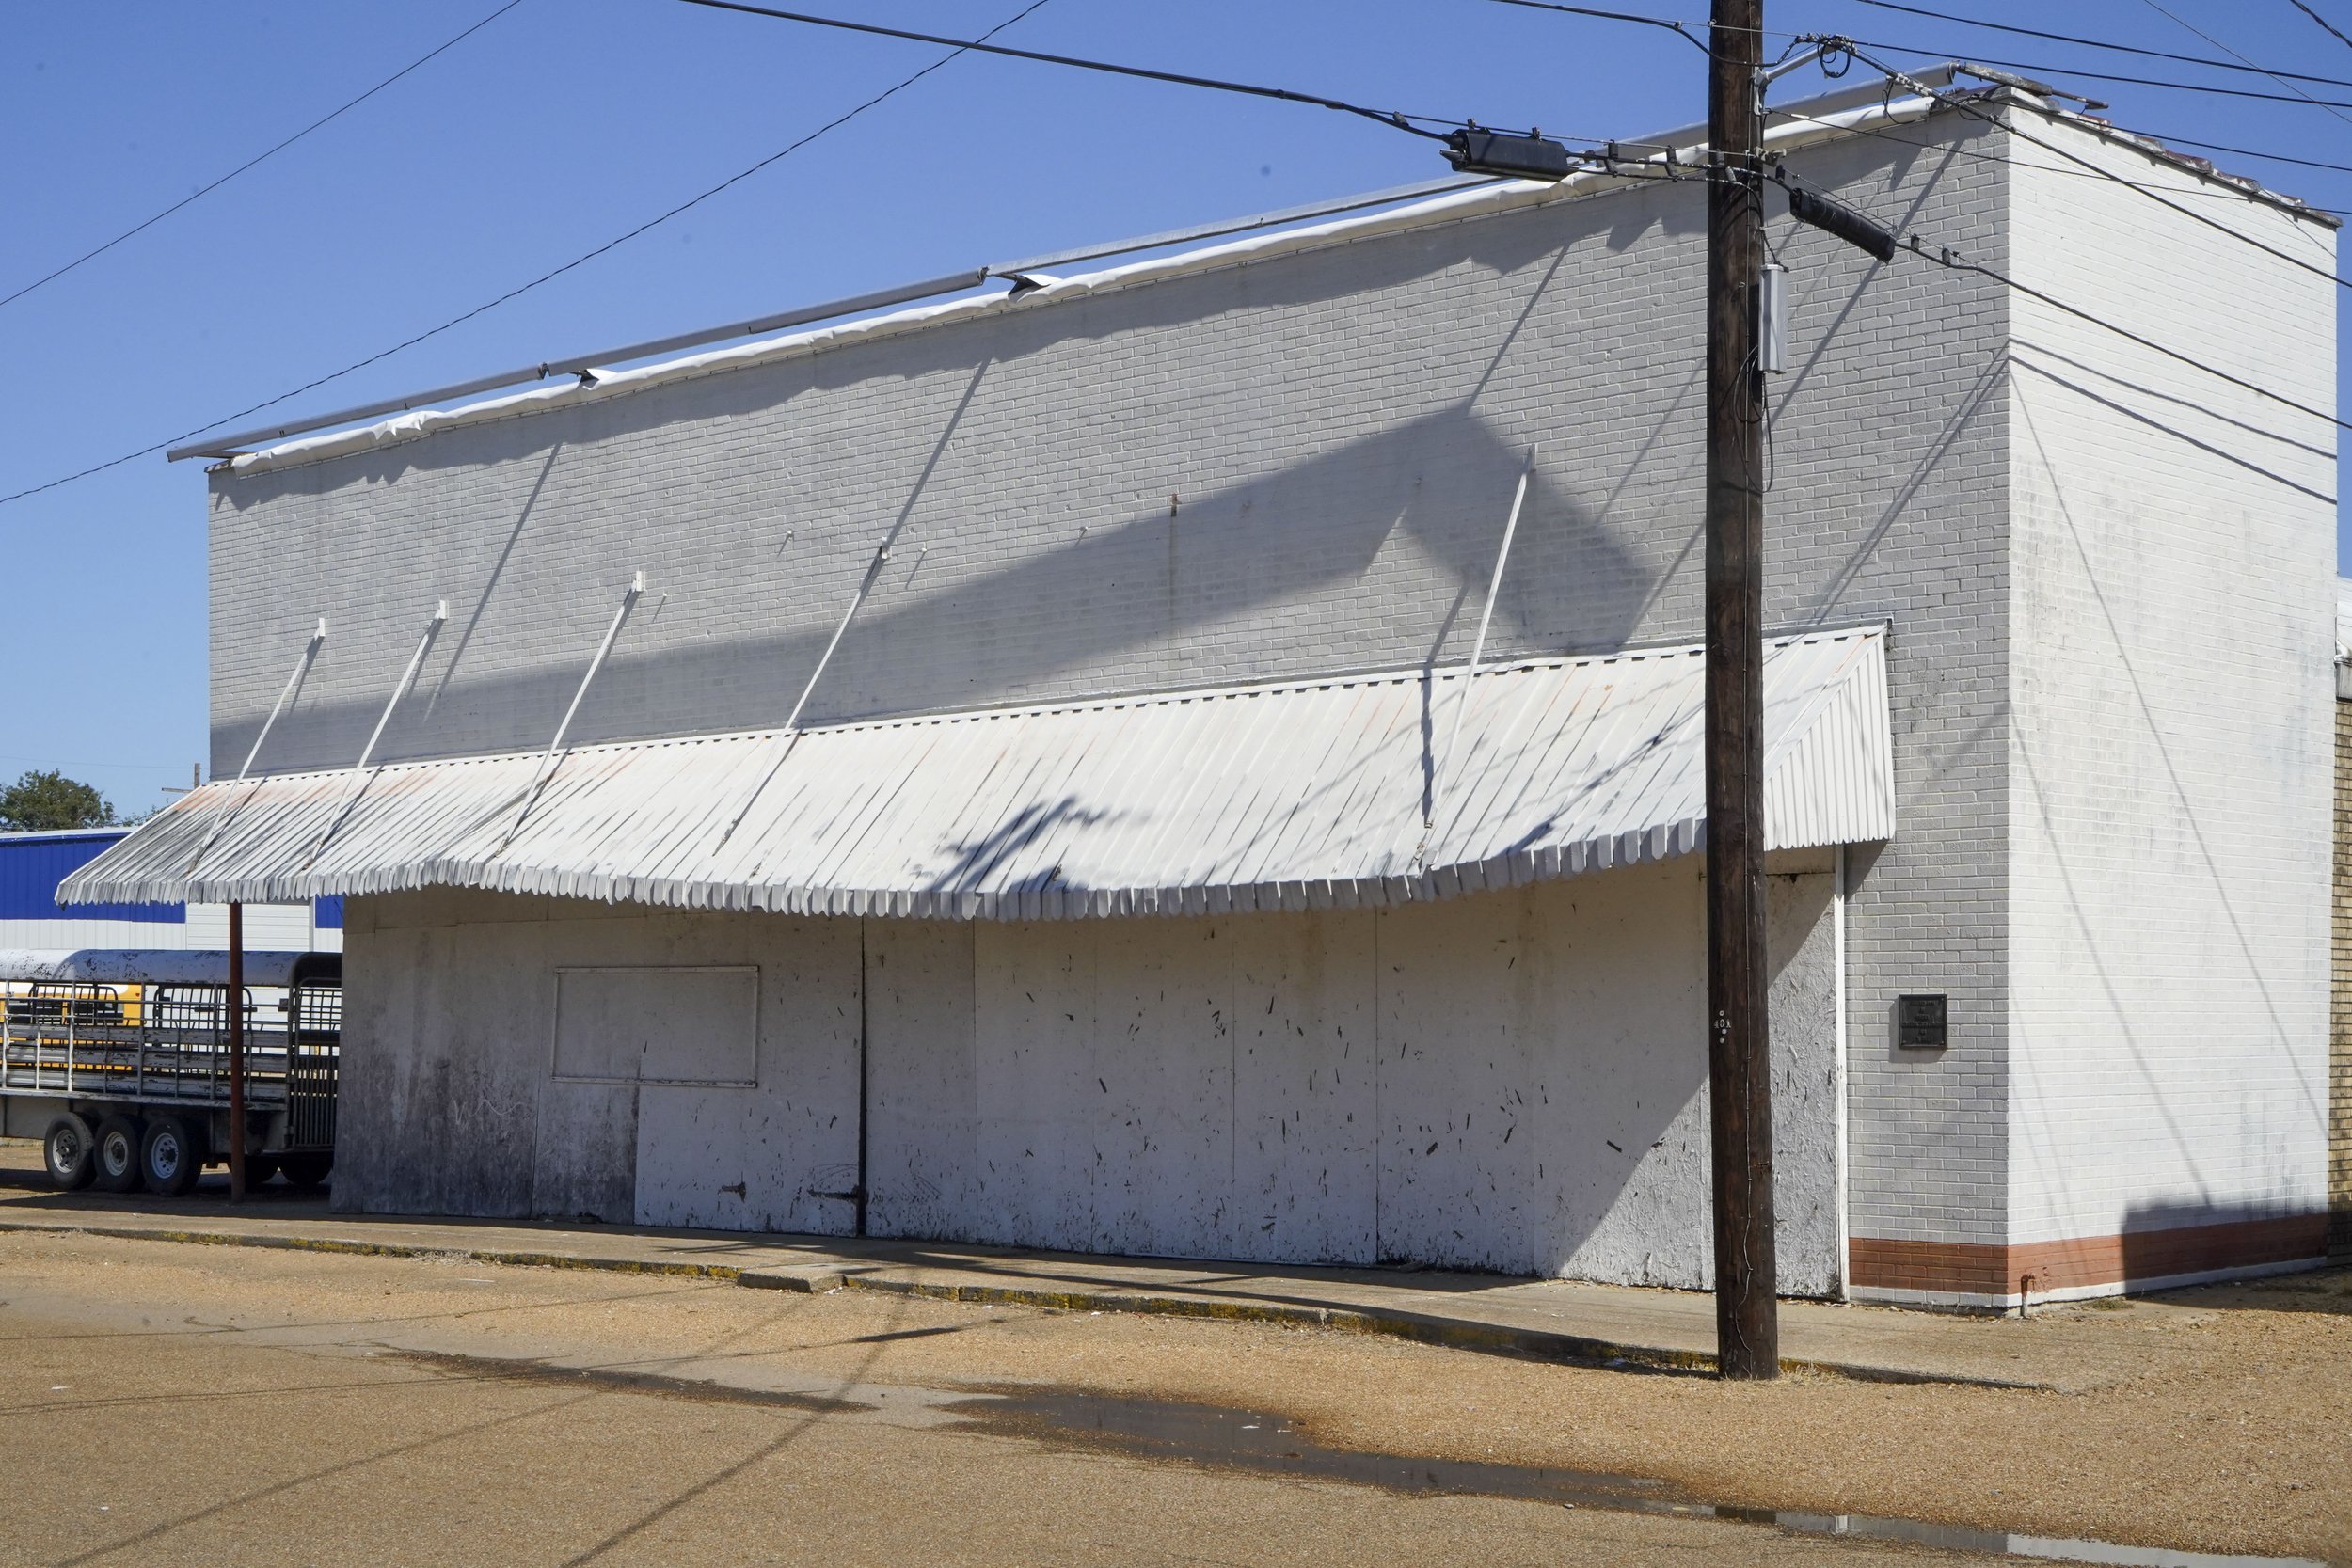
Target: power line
{"x":523,"y":288}
{"x":2321,"y":20}
{"x":1395,"y":119}
{"x":1944,"y":256}
{"x":2184,"y":22}
{"x":2230,"y":192}
{"x":2088,"y":73}
{"x":2032,"y":32}
{"x":1974,"y":113}
{"x":1684,"y":28}
{"x":2241,"y":64}
{"x":206,"y":190}
{"x":2171,"y":140}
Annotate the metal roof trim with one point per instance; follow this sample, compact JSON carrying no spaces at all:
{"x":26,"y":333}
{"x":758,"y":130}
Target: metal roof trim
{"x":1828,"y":116}
{"x":1294,"y":795}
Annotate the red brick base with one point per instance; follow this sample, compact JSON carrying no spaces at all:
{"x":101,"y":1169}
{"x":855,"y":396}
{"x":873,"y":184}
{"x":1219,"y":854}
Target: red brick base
{"x":1965,"y":1268}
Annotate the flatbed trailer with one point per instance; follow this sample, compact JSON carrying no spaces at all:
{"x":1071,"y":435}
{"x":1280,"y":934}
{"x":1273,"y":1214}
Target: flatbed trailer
{"x":118,"y":1061}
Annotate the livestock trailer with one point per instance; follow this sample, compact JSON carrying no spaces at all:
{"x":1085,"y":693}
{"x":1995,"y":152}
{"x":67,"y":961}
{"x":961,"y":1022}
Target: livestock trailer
{"x":118,"y":1061}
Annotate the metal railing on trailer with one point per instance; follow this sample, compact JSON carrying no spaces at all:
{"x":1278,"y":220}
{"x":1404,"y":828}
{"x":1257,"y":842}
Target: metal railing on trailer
{"x":119,"y":1061}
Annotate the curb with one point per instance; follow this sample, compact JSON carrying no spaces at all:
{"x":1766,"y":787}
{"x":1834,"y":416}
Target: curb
{"x":348,"y":1247}
{"x":822,"y":1278}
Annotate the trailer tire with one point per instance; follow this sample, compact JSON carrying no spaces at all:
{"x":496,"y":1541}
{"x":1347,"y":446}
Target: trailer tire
{"x":65,"y":1148}
{"x":170,"y":1158}
{"x":306,"y":1169}
{"x":259,"y":1169}
{"x":114,"y":1152}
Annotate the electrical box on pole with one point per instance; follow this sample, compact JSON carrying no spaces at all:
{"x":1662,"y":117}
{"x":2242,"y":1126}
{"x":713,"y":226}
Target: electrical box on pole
{"x":1738,"y":1065}
{"x":1772,"y":319}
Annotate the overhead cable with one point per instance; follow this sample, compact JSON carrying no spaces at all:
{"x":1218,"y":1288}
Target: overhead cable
{"x":1944,"y":256}
{"x":258,"y":158}
{"x":2241,"y":64}
{"x":1394,"y":119}
{"x":1965,"y":106}
{"x":833,"y":125}
{"x":2232,"y":189}
{"x":2322,"y":20}
{"x":2171,"y":140}
{"x":2184,"y":23}
{"x":1684,"y":28}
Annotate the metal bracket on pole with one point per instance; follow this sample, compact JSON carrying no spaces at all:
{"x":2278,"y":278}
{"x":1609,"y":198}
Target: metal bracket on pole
{"x":358,"y":769}
{"x":547,"y":763}
{"x":302,"y":668}
{"x":1478,"y":650}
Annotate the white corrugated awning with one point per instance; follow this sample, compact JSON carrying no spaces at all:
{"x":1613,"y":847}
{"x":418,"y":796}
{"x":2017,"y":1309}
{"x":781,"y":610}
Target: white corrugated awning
{"x":1308,"y":794}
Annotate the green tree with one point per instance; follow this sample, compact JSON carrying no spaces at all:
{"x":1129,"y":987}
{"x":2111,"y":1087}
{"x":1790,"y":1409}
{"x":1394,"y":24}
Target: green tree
{"x":45,"y":803}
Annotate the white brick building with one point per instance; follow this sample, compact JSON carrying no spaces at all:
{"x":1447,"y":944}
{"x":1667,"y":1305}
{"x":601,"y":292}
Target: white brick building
{"x":2099,"y":578}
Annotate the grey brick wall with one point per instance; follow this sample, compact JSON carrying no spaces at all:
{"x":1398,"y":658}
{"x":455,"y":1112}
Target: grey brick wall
{"x":1296,"y":465}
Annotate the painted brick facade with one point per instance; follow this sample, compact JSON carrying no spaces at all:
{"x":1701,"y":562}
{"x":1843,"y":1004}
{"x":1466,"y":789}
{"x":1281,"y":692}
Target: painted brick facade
{"x":1299,"y":464}
{"x":1340,"y":431}
{"x":2173,"y":546}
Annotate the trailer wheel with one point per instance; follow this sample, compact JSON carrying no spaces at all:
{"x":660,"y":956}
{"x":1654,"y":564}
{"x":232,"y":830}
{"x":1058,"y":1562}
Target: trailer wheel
{"x":115,"y":1153}
{"x":306,"y":1169}
{"x":259,"y":1169}
{"x":65,"y":1148}
{"x":170,"y":1158}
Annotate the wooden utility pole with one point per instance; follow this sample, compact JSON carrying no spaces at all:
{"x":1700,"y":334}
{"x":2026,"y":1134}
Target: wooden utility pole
{"x":236,"y":1054}
{"x":1738,"y":1065}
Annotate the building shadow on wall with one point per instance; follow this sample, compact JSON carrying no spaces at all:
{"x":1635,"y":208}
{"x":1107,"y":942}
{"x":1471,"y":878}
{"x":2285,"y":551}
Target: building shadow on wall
{"x":1120,"y":604}
{"x":2168,"y":1239}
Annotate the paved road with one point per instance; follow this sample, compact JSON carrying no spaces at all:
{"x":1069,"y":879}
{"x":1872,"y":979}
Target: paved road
{"x":169,"y":1404}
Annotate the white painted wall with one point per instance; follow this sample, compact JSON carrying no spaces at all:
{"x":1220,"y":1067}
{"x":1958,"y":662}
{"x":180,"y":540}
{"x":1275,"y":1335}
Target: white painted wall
{"x":1505,"y":1081}
{"x":1343,"y":429}
{"x":2169,"y":741}
{"x":450,"y":1103}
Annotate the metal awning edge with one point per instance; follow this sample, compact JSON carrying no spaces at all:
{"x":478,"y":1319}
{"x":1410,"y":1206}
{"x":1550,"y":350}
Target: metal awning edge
{"x":1829,"y":782}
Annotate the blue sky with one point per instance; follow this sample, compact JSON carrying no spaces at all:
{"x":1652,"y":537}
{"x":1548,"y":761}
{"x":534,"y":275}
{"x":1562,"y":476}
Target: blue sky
{"x":565,"y":122}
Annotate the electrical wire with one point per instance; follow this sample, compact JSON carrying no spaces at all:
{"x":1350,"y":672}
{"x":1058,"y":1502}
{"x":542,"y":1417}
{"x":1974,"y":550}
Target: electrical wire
{"x":260,"y":158}
{"x":2190,"y":26}
{"x":2229,"y":193}
{"x":2322,"y":20}
{"x":833,"y":125}
{"x":1970,"y":109}
{"x":2241,"y":64}
{"x":1395,"y":119}
{"x":1686,"y":29}
{"x":1944,"y":256}
{"x":2171,"y":140}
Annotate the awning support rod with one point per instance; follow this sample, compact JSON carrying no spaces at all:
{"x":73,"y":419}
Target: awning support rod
{"x":302,"y":668}
{"x":793,"y":722}
{"x":359,"y":768}
{"x":302,"y":665}
{"x":1478,"y":645}
{"x":547,"y":763}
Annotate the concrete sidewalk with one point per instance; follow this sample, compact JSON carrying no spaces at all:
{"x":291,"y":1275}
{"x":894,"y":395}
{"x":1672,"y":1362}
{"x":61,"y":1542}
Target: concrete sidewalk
{"x":2067,"y":1349}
